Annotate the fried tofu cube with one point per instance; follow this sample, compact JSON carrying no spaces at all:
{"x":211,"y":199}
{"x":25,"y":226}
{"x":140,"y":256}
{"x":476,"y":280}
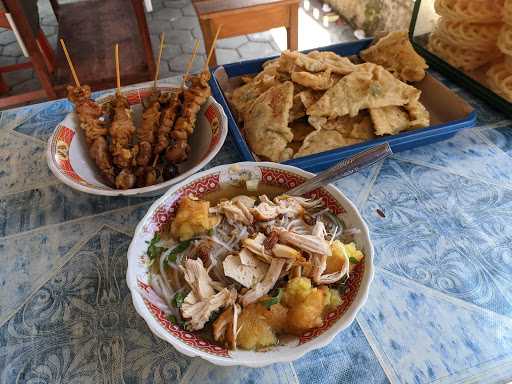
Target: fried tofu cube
{"x":192,"y":218}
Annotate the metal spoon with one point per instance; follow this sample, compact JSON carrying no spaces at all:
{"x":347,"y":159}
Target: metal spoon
{"x":344,"y":168}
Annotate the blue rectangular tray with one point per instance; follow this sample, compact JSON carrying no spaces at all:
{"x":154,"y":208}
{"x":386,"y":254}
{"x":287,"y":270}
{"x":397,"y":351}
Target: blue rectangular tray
{"x":320,"y":161}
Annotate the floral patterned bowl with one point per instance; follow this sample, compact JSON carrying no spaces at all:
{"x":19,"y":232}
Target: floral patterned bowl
{"x":215,"y":179}
{"x":68,"y":157}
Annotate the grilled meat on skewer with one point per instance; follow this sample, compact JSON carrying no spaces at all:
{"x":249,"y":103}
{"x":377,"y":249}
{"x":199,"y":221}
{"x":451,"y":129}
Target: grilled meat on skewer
{"x":147,"y":132}
{"x":146,"y":137}
{"x":121,"y":132}
{"x":89,"y":114}
{"x":168,"y":116}
{"x":194,"y":98}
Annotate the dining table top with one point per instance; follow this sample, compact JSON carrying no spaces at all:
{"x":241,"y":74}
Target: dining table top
{"x":439,"y":308}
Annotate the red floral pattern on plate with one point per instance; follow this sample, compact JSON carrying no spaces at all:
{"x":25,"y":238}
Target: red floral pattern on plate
{"x":187,"y":337}
{"x":60,"y":151}
{"x":352,"y":287}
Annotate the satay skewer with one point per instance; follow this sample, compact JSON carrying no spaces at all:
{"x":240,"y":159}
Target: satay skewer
{"x":148,"y":130}
{"x":212,"y":49}
{"x":89,"y":113}
{"x":121,"y":132}
{"x":194,"y":98}
{"x":159,"y":59}
{"x":189,"y":64}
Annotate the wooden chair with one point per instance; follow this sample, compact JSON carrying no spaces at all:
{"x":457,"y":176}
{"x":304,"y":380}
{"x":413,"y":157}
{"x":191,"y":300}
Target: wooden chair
{"x":91,"y":29}
{"x":41,"y":57}
{"x":241,"y":17}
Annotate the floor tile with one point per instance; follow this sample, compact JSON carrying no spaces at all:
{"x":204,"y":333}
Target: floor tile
{"x":232,"y":42}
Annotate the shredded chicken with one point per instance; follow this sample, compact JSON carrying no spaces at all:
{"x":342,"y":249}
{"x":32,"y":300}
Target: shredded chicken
{"x":266,"y":285}
{"x":197,"y":277}
{"x":257,"y":247}
{"x":236,"y":212}
{"x":199,"y":311}
{"x":308,"y":243}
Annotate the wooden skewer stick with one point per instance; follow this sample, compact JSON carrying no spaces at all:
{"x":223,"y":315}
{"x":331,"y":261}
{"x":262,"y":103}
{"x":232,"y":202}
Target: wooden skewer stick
{"x":70,"y":63}
{"x":157,"y":71}
{"x":189,"y":65}
{"x":212,"y":48}
{"x":118,"y":74}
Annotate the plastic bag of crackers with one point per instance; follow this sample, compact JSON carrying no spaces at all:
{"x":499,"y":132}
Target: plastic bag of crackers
{"x":474,"y":35}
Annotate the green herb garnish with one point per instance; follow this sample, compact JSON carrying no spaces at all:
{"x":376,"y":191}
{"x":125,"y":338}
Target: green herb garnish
{"x":375,"y":90}
{"x":178,"y":299}
{"x":171,"y":257}
{"x":341,"y":286}
{"x":353,"y":260}
{"x":154,"y":251}
{"x":174,"y":320}
{"x":274,"y":300}
{"x":210,"y":232}
{"x":335,"y":219}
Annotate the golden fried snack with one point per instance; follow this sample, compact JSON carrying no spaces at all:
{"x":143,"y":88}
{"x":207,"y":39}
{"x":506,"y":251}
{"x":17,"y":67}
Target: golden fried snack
{"x":316,"y":81}
{"x":505,"y":39}
{"x":389,"y":120}
{"x":477,"y":36}
{"x":370,"y":86}
{"x":507,"y":12}
{"x":315,"y":61}
{"x":337,"y":64}
{"x":357,"y":127}
{"x":465,"y":59}
{"x":242,"y":98}
{"x":95,"y":132}
{"x":476,"y":11}
{"x":418,"y":115}
{"x":508,"y":62}
{"x":266,"y":123}
{"x":297,"y":110}
{"x":323,"y":140}
{"x":396,"y":53}
{"x":500,"y":80}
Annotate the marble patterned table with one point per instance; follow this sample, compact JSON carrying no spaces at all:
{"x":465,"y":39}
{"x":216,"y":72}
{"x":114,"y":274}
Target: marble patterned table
{"x":439,"y":310}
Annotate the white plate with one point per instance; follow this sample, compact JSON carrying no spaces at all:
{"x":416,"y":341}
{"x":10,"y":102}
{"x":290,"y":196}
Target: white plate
{"x":68,"y":157}
{"x":162,"y":211}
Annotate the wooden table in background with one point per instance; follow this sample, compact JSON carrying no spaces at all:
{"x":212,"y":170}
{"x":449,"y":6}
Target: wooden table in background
{"x":241,"y":17}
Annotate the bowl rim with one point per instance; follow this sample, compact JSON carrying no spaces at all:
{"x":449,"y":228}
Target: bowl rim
{"x":223,"y":131}
{"x":295,"y":352}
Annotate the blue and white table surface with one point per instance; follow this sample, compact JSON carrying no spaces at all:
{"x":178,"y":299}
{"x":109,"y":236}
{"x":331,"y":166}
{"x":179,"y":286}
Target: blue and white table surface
{"x":439,"y":310}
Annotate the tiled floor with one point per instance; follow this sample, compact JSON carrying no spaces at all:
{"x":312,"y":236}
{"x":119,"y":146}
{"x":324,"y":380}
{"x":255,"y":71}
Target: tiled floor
{"x":177,"y":19}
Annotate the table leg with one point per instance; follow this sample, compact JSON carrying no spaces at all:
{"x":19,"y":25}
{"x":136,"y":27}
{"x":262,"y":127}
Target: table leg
{"x":293,"y":29}
{"x":208,"y":36}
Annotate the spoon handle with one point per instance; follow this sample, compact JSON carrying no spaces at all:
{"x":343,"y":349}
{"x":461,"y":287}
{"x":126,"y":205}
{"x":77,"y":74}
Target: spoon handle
{"x":344,"y":168}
